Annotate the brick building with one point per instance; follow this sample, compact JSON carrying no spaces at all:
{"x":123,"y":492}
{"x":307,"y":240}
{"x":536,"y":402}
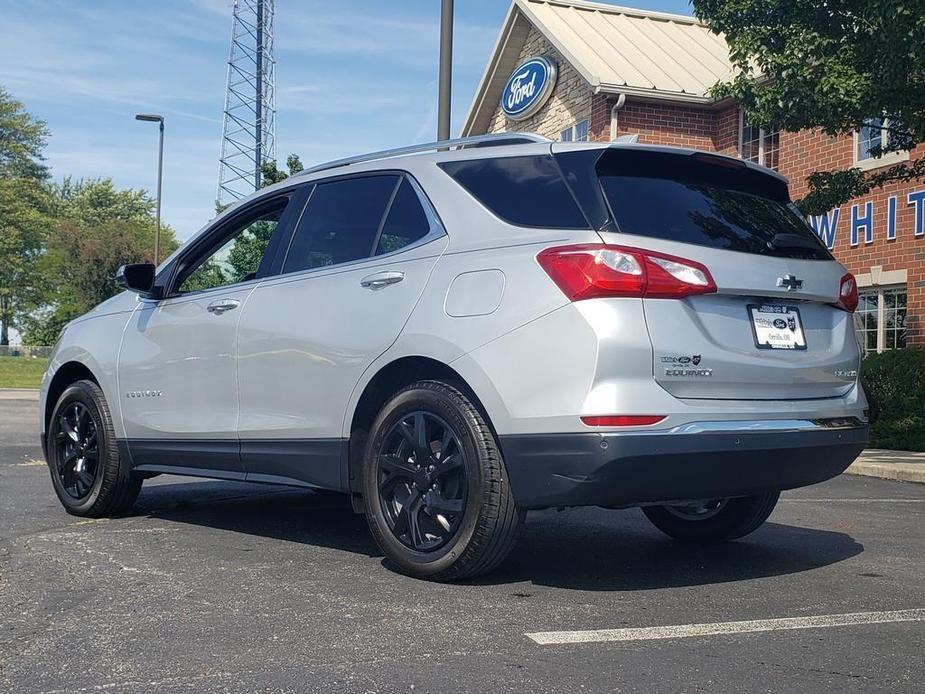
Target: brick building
{"x":623,"y":72}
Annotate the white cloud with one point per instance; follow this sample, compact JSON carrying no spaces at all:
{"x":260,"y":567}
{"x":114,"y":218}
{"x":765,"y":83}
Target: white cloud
{"x":338,"y":29}
{"x":352,"y":77}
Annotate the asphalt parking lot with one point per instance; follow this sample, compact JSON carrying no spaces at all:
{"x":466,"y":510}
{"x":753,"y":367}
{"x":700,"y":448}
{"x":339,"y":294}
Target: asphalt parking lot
{"x":213,"y":586}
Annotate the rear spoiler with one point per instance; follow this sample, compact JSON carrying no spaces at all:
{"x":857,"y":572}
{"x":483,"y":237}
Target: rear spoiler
{"x":583,"y":166}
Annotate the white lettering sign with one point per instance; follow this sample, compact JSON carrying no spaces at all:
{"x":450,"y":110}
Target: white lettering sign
{"x":521,"y":89}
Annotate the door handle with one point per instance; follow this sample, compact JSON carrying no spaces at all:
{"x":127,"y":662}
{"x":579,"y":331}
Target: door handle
{"x":222,"y":305}
{"x":382,"y":279}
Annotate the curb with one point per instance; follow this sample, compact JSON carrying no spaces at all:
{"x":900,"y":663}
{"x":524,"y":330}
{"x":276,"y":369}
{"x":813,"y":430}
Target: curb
{"x":900,"y":472}
{"x":19,"y":393}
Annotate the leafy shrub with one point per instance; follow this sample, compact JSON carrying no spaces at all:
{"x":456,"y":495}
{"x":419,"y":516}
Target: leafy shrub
{"x":895,"y":385}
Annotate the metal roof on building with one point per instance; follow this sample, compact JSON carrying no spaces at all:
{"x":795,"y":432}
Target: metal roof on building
{"x":615,"y":49}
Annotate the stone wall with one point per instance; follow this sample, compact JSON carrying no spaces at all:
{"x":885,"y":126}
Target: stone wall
{"x":570,"y":101}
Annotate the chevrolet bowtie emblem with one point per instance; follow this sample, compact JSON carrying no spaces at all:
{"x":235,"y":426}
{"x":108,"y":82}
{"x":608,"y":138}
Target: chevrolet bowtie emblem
{"x":790,"y":282}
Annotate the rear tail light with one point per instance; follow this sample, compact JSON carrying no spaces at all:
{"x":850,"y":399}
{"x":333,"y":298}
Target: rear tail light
{"x":590,"y":271}
{"x":847,"y":293}
{"x":623,"y":420}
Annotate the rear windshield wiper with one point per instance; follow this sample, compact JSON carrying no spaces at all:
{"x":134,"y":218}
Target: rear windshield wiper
{"x":793,"y":241}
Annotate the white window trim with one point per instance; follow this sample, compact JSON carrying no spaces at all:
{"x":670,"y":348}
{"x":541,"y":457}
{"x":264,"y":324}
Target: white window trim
{"x":878,"y":277}
{"x":761,"y":136}
{"x":886,"y":159}
{"x":573,"y":130}
{"x":881,"y":281}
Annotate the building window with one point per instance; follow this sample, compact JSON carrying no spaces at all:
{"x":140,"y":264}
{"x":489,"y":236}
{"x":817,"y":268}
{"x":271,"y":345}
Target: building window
{"x":759,"y":145}
{"x":575,"y":133}
{"x":870,"y":136}
{"x":873,"y":134}
{"x":881,"y":318}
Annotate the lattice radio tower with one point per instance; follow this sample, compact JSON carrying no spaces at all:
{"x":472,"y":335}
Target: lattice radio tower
{"x":249,"y":123}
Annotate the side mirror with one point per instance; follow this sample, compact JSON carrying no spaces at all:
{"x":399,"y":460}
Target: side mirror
{"x":137,"y":277}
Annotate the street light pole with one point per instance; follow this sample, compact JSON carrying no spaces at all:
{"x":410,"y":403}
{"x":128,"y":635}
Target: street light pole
{"x":154,"y":118}
{"x":446,"y":70}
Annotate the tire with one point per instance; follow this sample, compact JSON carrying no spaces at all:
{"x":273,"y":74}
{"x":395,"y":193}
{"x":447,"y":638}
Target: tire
{"x":735,"y":518}
{"x":81,"y":427}
{"x":465,"y":524}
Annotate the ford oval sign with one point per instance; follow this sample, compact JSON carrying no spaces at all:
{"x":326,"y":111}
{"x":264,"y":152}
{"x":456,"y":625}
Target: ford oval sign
{"x":528,"y":88}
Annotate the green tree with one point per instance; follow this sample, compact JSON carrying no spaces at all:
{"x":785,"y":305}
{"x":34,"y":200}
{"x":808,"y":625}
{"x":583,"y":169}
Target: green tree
{"x":248,"y":248}
{"x":91,"y":202}
{"x":272,"y":175}
{"x":209,"y":274}
{"x":99,"y":227}
{"x":22,"y":140}
{"x":24,"y":220}
{"x":24,"y":225}
{"x":829,"y":65}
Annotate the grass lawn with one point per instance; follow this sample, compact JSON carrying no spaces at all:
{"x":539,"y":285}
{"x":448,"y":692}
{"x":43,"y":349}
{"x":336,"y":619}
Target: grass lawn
{"x":21,"y":372}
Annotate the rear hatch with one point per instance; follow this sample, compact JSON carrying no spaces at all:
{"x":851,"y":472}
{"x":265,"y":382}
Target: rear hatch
{"x":772,"y":329}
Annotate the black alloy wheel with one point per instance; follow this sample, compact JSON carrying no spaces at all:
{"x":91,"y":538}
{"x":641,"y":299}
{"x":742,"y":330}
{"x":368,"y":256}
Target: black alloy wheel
{"x":77,"y":454}
{"x":435,"y":488}
{"x":89,"y":474}
{"x":422,"y":481}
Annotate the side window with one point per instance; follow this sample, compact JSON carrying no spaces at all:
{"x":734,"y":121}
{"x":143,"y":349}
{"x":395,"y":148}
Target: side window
{"x":340,"y":222}
{"x":524,"y":191}
{"x":238,"y":257}
{"x":405,"y":223}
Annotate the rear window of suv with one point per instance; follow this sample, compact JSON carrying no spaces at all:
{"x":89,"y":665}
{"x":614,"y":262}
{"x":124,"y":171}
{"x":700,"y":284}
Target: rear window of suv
{"x":707,"y":203}
{"x":524,"y":191}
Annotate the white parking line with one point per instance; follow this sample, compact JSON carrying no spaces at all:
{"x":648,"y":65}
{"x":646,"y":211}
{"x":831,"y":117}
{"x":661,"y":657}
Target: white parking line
{"x":869,"y":501}
{"x":681,"y":631}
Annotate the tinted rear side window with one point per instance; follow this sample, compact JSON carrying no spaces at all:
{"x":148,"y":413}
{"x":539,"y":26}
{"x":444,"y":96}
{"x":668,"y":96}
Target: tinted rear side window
{"x":677,"y":198}
{"x":340,"y":222}
{"x":525,"y":191}
{"x":406,"y":221}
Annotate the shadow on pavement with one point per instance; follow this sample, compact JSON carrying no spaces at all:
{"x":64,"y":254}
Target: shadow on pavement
{"x":619,"y":550}
{"x":292,"y":514}
{"x":584,"y":549}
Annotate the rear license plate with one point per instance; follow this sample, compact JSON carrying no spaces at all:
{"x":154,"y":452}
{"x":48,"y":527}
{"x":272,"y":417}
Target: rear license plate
{"x":776,"y":326}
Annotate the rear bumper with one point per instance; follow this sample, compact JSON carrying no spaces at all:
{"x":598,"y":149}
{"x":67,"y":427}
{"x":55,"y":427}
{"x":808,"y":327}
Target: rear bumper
{"x":694,"y":461}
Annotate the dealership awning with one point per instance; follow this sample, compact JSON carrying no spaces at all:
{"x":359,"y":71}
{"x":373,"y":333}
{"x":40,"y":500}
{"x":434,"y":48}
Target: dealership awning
{"x":615,"y":49}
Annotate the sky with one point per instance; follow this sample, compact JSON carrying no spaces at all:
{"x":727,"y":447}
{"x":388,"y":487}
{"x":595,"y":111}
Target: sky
{"x":352,"y":76}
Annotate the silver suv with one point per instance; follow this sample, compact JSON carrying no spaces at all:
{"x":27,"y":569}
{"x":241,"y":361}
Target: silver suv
{"x":455,"y":334}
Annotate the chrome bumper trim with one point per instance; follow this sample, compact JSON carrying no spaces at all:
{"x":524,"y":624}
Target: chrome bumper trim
{"x":765,"y":425}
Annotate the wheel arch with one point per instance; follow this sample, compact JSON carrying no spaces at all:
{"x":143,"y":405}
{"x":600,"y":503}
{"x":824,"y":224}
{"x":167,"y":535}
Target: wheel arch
{"x":389,"y":379}
{"x":66,"y":374}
